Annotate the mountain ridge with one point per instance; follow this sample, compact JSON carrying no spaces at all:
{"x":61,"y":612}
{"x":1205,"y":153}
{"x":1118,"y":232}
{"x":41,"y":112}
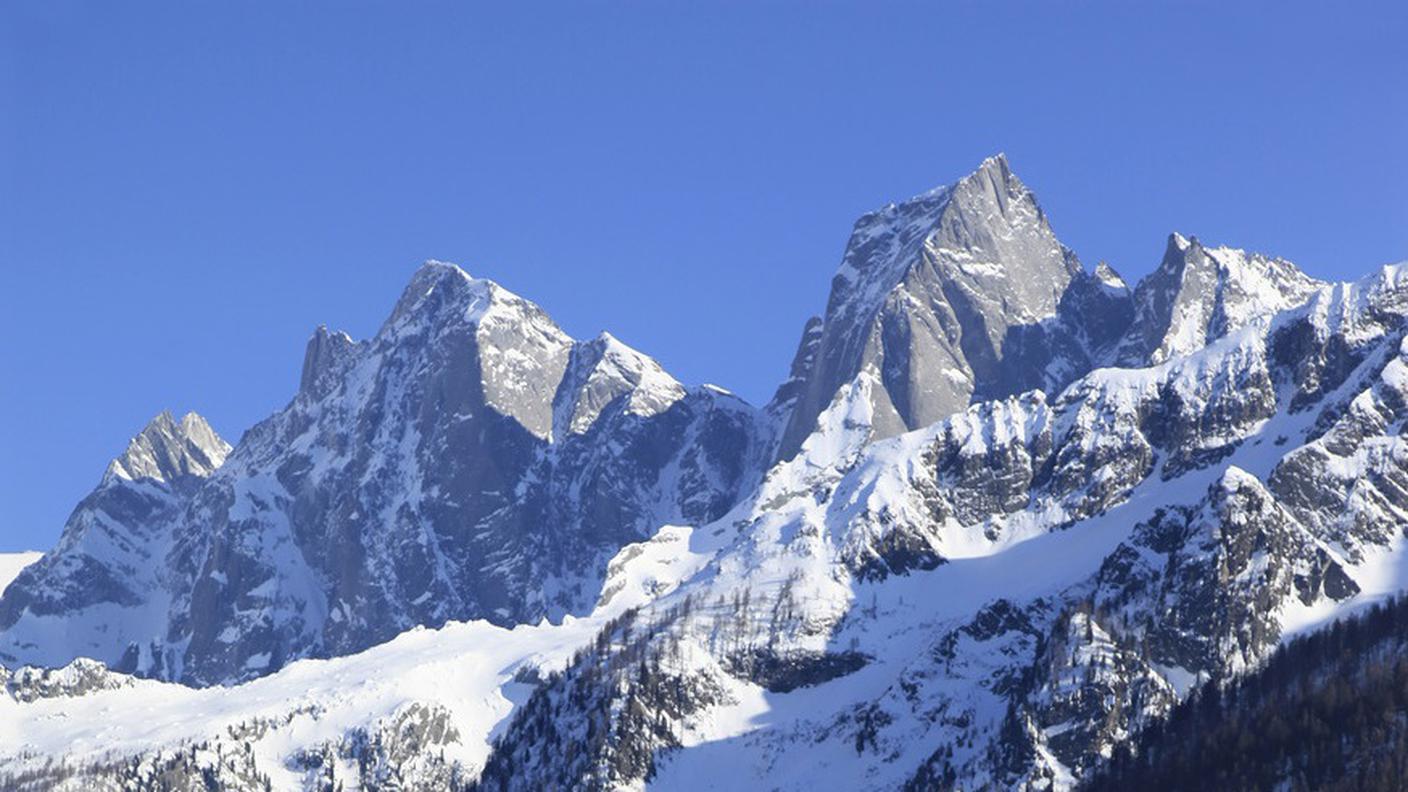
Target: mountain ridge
{"x":322,"y":462}
{"x":992,"y":583}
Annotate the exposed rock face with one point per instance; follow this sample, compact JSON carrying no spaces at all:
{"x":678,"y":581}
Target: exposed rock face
{"x":964,"y":294}
{"x":1199,"y":294}
{"x":469,"y":461}
{"x":1085,"y":561}
{"x":985,"y":558}
{"x":78,"y":678}
{"x":1218,"y":576}
{"x":102,"y":587}
{"x":960,"y":294}
{"x":795,"y":386}
{"x":603,"y":370}
{"x":167,"y":451}
{"x":326,"y":355}
{"x":403,"y":750}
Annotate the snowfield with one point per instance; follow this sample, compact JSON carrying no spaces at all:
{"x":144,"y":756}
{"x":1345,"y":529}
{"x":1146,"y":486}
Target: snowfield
{"x":11,"y":564}
{"x":468,"y":668}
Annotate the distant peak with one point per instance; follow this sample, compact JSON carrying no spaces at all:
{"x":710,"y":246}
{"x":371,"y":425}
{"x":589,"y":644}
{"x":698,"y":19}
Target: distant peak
{"x":195,"y":422}
{"x":161,"y":423}
{"x":165,"y":425}
{"x":322,"y":332}
{"x":1198,"y":294}
{"x":994,"y":171}
{"x":166,"y":449}
{"x":432,"y":273}
{"x":1181,"y":253}
{"x":993,"y":193}
{"x":1107,"y":276}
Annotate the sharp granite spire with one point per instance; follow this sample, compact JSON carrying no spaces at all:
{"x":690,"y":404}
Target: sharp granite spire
{"x":953,"y":295}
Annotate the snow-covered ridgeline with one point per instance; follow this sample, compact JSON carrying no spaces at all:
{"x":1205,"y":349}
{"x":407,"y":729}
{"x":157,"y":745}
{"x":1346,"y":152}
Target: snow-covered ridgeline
{"x":469,"y":461}
{"x":1174,"y":484}
{"x":1052,"y":555}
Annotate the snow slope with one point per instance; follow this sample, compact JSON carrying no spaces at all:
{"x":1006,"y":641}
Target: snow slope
{"x":1191,"y":516}
{"x":465,"y":670}
{"x":11,"y":564}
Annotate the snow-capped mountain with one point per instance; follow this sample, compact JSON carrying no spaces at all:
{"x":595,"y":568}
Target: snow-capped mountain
{"x":997,"y":599}
{"x":103,"y":587}
{"x":469,"y":461}
{"x":1002,"y":514}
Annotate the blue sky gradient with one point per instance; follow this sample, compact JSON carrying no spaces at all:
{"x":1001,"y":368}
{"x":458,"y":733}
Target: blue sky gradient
{"x":187,"y":190}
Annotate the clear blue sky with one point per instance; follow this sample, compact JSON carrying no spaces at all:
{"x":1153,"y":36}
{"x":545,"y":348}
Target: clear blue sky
{"x":187,"y":190}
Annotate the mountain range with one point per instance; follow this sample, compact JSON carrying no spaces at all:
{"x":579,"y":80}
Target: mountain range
{"x":1003,"y":515}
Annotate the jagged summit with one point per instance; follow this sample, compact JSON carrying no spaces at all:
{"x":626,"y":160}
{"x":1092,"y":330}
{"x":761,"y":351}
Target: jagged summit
{"x":1108,"y":277}
{"x":468,"y":461}
{"x":995,"y":169}
{"x":166,"y":449}
{"x":1198,"y":294}
{"x":1044,"y":554}
{"x":964,"y":294}
{"x":441,"y":292}
{"x":956,"y":216}
{"x":602,"y":370}
{"x":953,"y":293}
{"x":326,"y":352}
{"x":517,"y":352}
{"x":102,"y":580}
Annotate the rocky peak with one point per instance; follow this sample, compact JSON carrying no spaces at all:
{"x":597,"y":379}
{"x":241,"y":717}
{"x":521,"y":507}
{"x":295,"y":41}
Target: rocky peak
{"x":444,"y":296}
{"x":1107,"y":277}
{"x":986,"y":229}
{"x":602,"y":370}
{"x":995,"y":243}
{"x":1198,"y":294}
{"x":945,"y":295}
{"x":167,"y":449}
{"x":324,"y":356}
{"x":439,"y":287}
{"x":518,"y":354}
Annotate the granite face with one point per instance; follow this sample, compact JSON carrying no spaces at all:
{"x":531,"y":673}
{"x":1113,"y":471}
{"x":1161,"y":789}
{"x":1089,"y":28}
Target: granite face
{"x":959,"y":295}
